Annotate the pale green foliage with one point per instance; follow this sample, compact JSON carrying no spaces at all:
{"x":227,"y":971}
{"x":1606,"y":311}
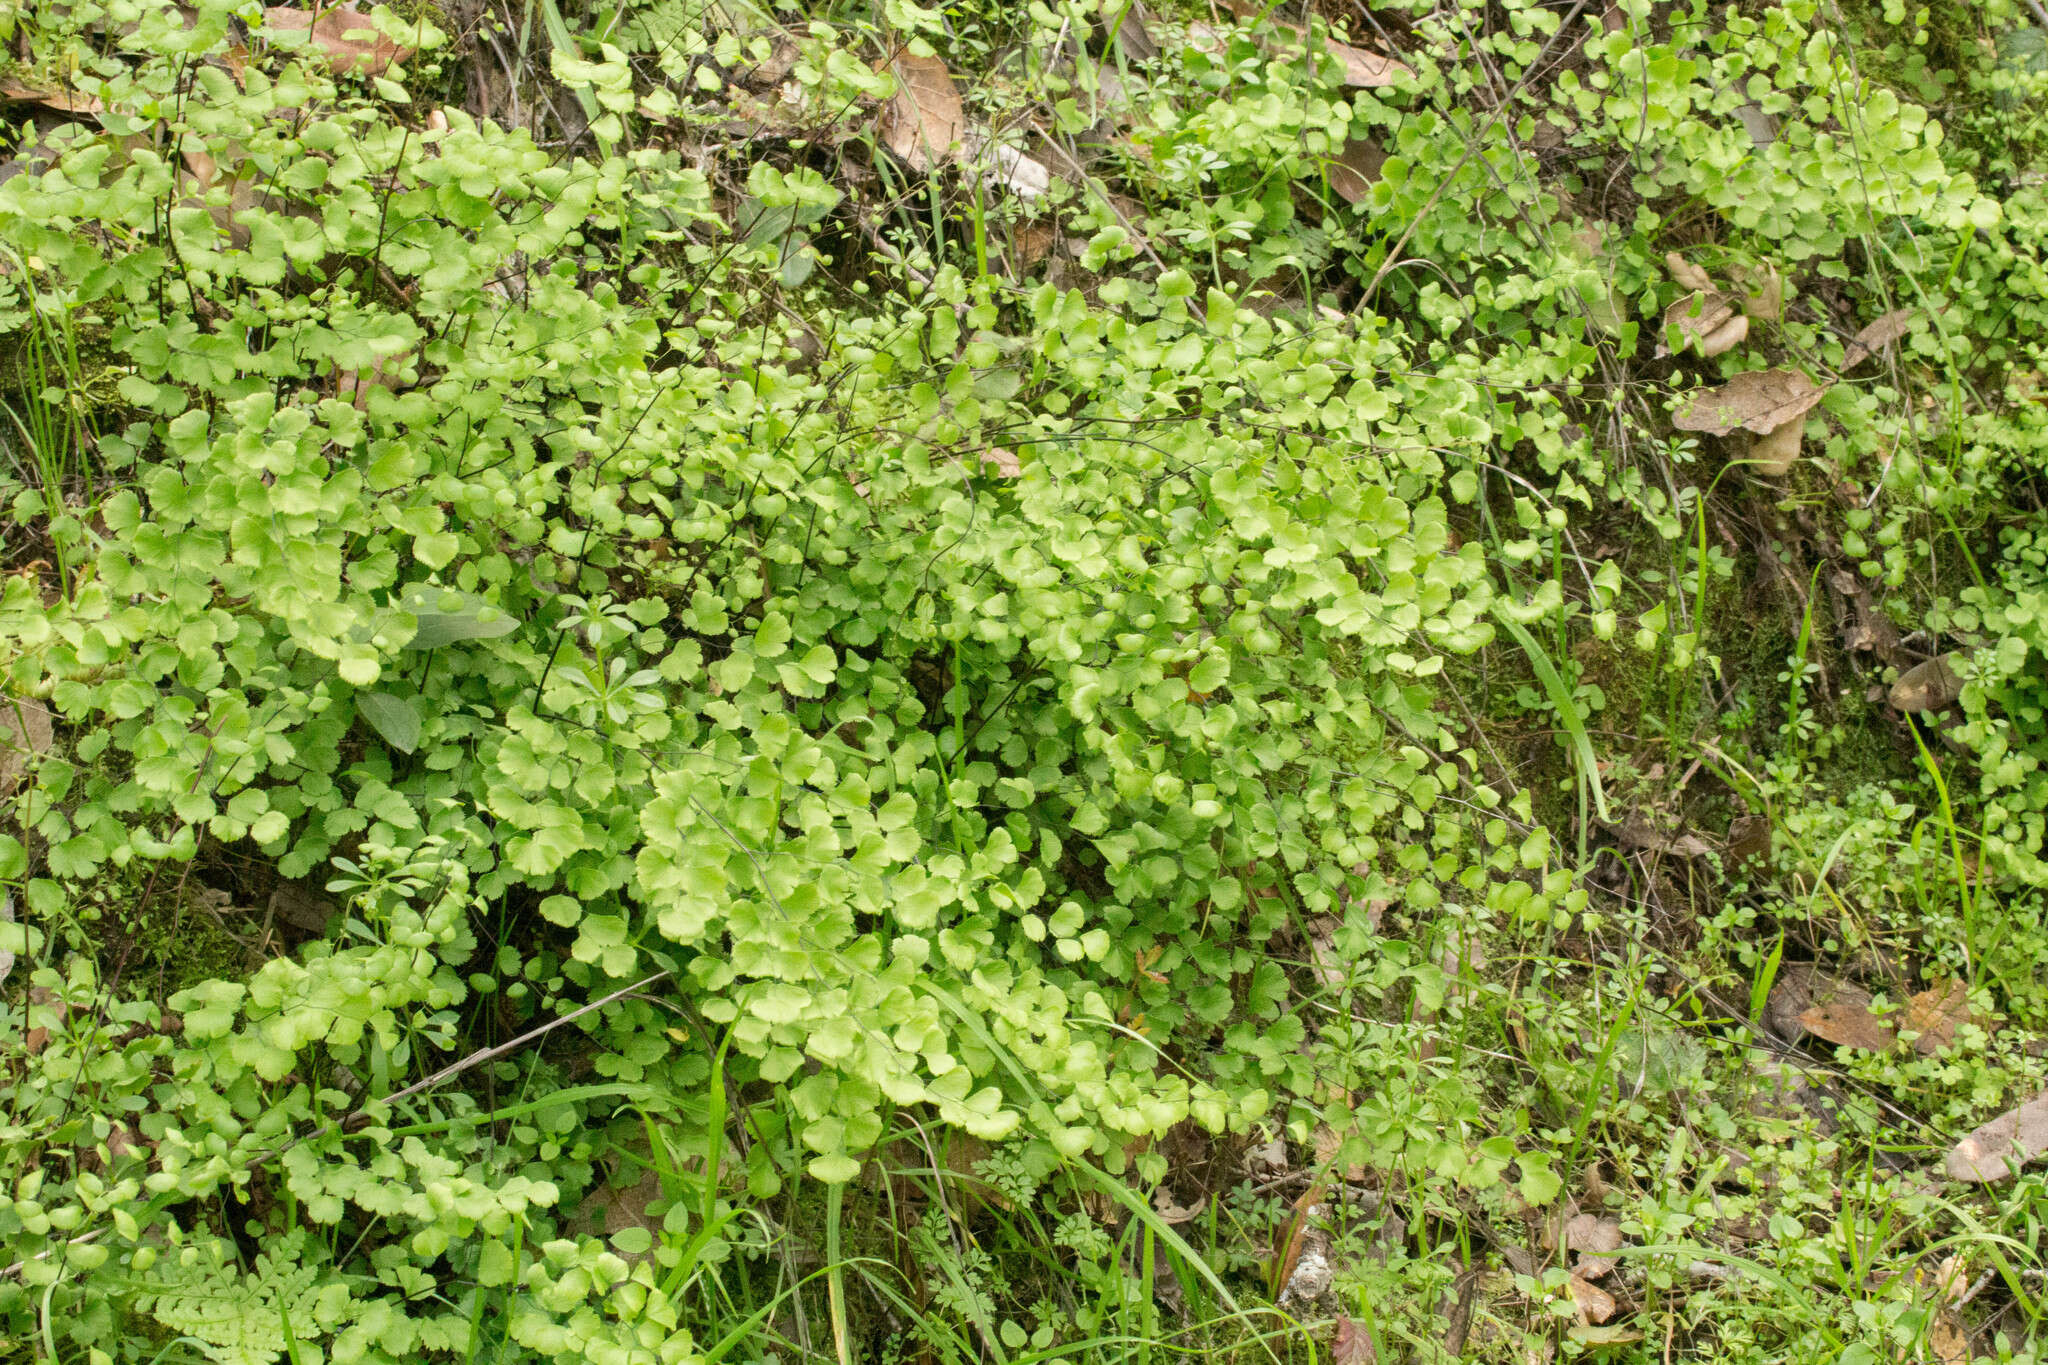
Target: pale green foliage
{"x":951,"y":692}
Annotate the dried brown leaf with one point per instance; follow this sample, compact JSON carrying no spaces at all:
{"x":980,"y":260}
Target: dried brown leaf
{"x":1293,"y":1234}
{"x":63,"y":101}
{"x":1773,"y":455}
{"x":1687,"y":274}
{"x":1947,"y":1343}
{"x":1806,"y":1000}
{"x":1133,"y":38}
{"x":1846,"y":1021}
{"x":1352,"y":1344}
{"x":1763,"y":291}
{"x":1935,"y":1014}
{"x":1878,"y":335}
{"x":1756,"y":400}
{"x":1595,"y":1304}
{"x":1590,"y":1232}
{"x":1998,"y":1148}
{"x":25,"y":731}
{"x":923,"y":122}
{"x":1709,"y":321}
{"x":343,"y":35}
{"x":1354,"y":170}
{"x":1929,"y":686}
{"x":1593,"y":1238}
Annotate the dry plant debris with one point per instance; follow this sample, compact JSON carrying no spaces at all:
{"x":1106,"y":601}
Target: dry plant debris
{"x":1999,"y":1148}
{"x":344,"y":36}
{"x":1772,"y":404}
{"x":1932,"y":685}
{"x":25,"y":731}
{"x":1877,"y":335}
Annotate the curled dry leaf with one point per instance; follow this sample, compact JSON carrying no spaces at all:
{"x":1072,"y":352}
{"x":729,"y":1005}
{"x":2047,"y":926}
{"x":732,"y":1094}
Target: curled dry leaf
{"x":1362,"y":69}
{"x":1878,"y":335}
{"x":1763,"y":291}
{"x":1930,"y":686}
{"x":1163,"y":1204}
{"x":1351,"y":1345}
{"x":1354,"y":170}
{"x":1935,"y":1014}
{"x":1709,"y":321}
{"x":1593,"y":1238}
{"x":1805,"y":1000}
{"x":1688,"y":274}
{"x":2003,"y":1145}
{"x":1770,"y":403}
{"x":1761,"y":401}
{"x":343,"y":35}
{"x":1595,"y":1304}
{"x":25,"y":731}
{"x":63,"y":101}
{"x":1295,"y":1238}
{"x":923,"y":122}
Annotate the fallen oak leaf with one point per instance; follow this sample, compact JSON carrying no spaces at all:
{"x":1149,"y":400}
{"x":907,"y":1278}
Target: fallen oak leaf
{"x":1351,"y":1344}
{"x":923,"y":123}
{"x":2000,"y":1147}
{"x":1878,"y":335}
{"x":1771,"y":403}
{"x":63,"y":101}
{"x":1935,"y":1015}
{"x":348,"y":39}
{"x":1594,"y":1304}
{"x":1933,"y":685}
{"x":1593,"y":1238}
{"x":1707,"y":320}
{"x":1688,"y":274}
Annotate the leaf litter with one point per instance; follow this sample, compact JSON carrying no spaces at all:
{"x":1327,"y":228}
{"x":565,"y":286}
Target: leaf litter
{"x":1770,"y":404}
{"x":1999,"y":1148}
{"x":1806,"y":1000}
{"x":1882,"y":332}
{"x":925,"y":125}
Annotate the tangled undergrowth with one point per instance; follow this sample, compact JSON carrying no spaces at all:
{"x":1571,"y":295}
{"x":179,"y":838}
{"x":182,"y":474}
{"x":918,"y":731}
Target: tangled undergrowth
{"x":1065,"y":682}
